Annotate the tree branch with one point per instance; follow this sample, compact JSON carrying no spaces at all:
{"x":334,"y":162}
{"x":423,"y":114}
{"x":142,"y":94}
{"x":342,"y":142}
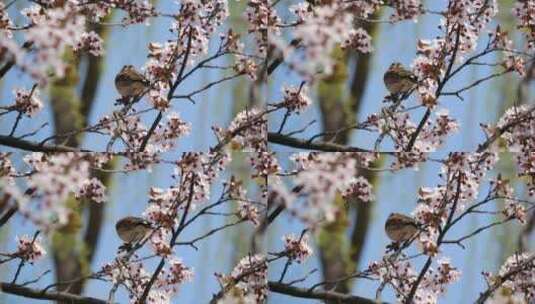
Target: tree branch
{"x":504,"y":278}
{"x":447,"y":76}
{"x":35,"y":147}
{"x":321,"y":295}
{"x":43,"y":295}
{"x":305,"y":144}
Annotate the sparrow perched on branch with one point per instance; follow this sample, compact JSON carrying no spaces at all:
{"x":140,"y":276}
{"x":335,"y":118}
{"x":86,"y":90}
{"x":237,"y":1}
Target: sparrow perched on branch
{"x":400,"y":228}
{"x":399,"y":80}
{"x":133,"y":229}
{"x":130,"y":83}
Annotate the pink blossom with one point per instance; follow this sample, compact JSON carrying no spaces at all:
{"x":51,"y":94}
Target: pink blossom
{"x":406,"y":9}
{"x":93,"y":190}
{"x":248,"y":211}
{"x":91,"y":43}
{"x":295,"y":99}
{"x":297,"y":248}
{"x":358,"y":188}
{"x":250,"y":276}
{"x":517,"y":275}
{"x":358,"y":40}
{"x":53,"y":177}
{"x":29,"y":249}
{"x":28,"y":102}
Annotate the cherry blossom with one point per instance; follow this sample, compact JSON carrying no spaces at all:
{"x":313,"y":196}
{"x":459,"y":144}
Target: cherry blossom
{"x":319,"y":177}
{"x":249,"y":276}
{"x":401,"y":275}
{"x":517,"y":276}
{"x":358,"y":188}
{"x":53,"y":178}
{"x":319,"y":31}
{"x":93,"y":190}
{"x":359,"y":40}
{"x":295,"y":99}
{"x":523,"y":10}
{"x":90,"y":42}
{"x":27,"y":102}
{"x":297,"y":248}
{"x":29,"y":249}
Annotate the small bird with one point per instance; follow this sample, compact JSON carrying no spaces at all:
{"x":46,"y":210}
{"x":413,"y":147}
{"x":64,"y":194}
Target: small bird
{"x":130,"y":83}
{"x":399,"y":80}
{"x":401,"y":228}
{"x":133,"y":229}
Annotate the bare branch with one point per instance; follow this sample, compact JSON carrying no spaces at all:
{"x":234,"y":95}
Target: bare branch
{"x":321,"y":295}
{"x":304,"y":144}
{"x":44,"y":295}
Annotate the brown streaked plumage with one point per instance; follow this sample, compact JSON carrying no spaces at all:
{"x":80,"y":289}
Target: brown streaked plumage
{"x":400,"y":227}
{"x":133,"y":229}
{"x":399,"y":80}
{"x":130,"y":83}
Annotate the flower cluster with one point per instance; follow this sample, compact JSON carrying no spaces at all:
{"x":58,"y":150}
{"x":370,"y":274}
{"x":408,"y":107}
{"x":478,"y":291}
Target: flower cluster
{"x":196,"y":22}
{"x":261,"y":20}
{"x":297,"y":248}
{"x":51,"y":32}
{"x":463,"y":23}
{"x":320,"y":176}
{"x":463,"y":173}
{"x":247,"y":66}
{"x":406,"y":9}
{"x":195,"y":177}
{"x":27,"y":102}
{"x":358,"y":40}
{"x":518,"y":126}
{"x":320,"y":28}
{"x":402,"y":276}
{"x":248,"y":130}
{"x":164,"y":137}
{"x":524,"y":11}
{"x":502,"y":188}
{"x":160,"y":240}
{"x":517,"y":275}
{"x":248,"y":212}
{"x":162,"y":206}
{"x":295,"y":99}
{"x":364,"y":8}
{"x":161,"y":65}
{"x":131,"y":274}
{"x":93,"y":190}
{"x":137,"y":11}
{"x":400,"y":128}
{"x":512,"y":61}
{"x":129,"y":129}
{"x":176,"y":274}
{"x":358,"y":188}
{"x":136,"y":278}
{"x":249,"y":277}
{"x":91,"y":43}
{"x":29,"y":249}
{"x":428,"y":67}
{"x":52,"y":178}
{"x":433,"y":137}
